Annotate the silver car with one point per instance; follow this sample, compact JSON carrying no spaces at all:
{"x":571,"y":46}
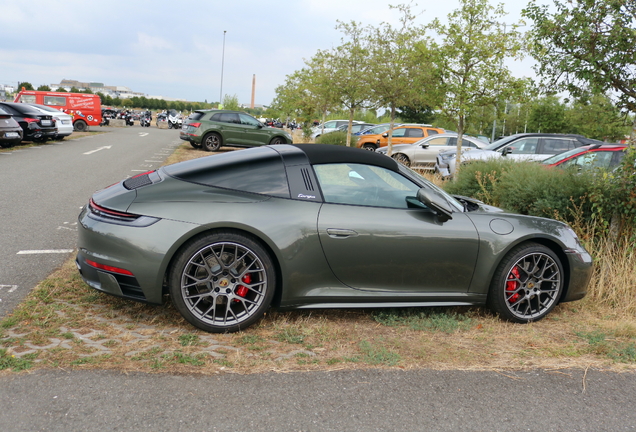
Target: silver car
{"x":519,"y":147}
{"x":423,"y":153}
{"x":63,"y":121}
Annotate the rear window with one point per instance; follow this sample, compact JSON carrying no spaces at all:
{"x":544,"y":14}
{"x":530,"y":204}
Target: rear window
{"x":196,"y":115}
{"x":258,"y":170}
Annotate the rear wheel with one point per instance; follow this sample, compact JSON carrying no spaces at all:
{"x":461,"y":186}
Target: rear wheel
{"x":527,"y":284}
{"x":222,"y":282}
{"x":369,"y":146}
{"x":80,"y":126}
{"x":212,"y":142}
{"x":402,"y":158}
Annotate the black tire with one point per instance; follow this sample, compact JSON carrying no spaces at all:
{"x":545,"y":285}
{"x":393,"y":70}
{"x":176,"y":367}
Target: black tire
{"x":212,"y":142}
{"x":80,"y":126}
{"x":402,"y":158}
{"x":369,"y":146}
{"x":278,"y":140}
{"x":527,"y":284}
{"x":222,"y":282}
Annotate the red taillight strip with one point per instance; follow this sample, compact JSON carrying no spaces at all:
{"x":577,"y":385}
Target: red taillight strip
{"x":112,"y":212}
{"x":109,"y":268}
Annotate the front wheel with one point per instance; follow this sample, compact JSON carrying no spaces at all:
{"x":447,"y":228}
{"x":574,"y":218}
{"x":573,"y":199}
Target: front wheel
{"x":277,"y":140}
{"x":212,"y":142}
{"x":222,"y":282}
{"x":527,"y":284}
{"x":368,"y":146}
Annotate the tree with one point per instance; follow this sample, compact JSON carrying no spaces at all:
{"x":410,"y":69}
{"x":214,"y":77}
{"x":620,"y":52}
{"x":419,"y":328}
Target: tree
{"x":44,"y":87}
{"x":74,"y":90}
{"x":348,"y":63}
{"x":548,"y":115}
{"x":231,"y":102}
{"x":587,"y":44}
{"x":595,"y":116}
{"x":398,"y":74}
{"x":25,"y":85}
{"x":469,"y":61}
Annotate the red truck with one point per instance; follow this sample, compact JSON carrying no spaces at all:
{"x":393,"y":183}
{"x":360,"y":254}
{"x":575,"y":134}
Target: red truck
{"x":86,"y":109}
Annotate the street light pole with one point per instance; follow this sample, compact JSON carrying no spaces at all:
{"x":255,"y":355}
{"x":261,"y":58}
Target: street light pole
{"x":222,"y":64}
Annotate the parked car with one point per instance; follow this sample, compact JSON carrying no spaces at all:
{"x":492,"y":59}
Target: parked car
{"x":10,"y":130}
{"x":604,"y":156}
{"x":355,"y":127}
{"x":311,"y":226}
{"x":212,"y":129}
{"x":36,"y":125}
{"x":377,"y":129}
{"x":63,"y":121}
{"x":329,"y":126}
{"x":404,"y":134}
{"x":527,"y":146}
{"x":423,"y":154}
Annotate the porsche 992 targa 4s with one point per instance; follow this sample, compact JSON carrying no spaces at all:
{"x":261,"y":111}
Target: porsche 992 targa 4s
{"x":318,"y":226}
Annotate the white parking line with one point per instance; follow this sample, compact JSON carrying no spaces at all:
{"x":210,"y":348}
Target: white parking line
{"x":11,"y":287}
{"x":44,"y":251}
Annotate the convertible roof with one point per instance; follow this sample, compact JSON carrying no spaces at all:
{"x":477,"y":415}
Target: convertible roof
{"x":326,"y":153}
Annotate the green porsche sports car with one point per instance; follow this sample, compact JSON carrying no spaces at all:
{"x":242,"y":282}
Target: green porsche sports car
{"x":318,"y":226}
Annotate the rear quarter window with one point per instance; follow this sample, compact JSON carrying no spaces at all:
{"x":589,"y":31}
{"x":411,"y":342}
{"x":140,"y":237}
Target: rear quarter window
{"x":258,"y":170}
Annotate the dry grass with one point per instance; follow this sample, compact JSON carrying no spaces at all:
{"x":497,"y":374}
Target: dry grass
{"x":65,"y":324}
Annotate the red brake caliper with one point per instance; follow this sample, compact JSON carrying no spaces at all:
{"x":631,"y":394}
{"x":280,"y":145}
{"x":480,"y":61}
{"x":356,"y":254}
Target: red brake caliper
{"x":242,"y":290}
{"x":512,"y":284}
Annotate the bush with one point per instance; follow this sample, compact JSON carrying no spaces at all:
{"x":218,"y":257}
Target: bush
{"x":336,"y":138}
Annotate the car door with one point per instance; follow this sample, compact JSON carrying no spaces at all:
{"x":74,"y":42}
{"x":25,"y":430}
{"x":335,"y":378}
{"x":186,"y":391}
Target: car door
{"x":521,"y":149}
{"x":232,"y":129}
{"x":426,"y":153}
{"x":374,"y":241}
{"x":253,"y":132}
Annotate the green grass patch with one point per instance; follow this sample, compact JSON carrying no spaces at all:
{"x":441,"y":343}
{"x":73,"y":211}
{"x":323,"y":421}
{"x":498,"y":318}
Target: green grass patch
{"x":378,"y":354}
{"x":427,"y":319}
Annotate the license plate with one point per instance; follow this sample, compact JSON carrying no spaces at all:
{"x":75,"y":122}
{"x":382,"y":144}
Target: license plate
{"x":46,"y":122}
{"x":12,"y":135}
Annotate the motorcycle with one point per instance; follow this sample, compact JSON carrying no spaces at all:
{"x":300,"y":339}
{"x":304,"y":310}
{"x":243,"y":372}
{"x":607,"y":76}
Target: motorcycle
{"x":145,"y":119}
{"x":174,"y":120}
{"x":129,"y":120}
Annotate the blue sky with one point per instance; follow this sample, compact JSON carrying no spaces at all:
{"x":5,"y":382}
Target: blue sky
{"x":174,"y":48}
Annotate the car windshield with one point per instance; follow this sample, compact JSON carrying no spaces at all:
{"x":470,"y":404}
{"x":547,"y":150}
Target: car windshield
{"x":377,"y":129}
{"x":561,"y":156}
{"x":439,"y":191}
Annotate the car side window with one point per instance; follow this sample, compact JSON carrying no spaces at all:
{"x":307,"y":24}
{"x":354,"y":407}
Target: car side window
{"x":430,"y":132}
{"x":400,"y":133}
{"x":556,"y":145}
{"x":414,"y":133}
{"x":229,"y":118}
{"x":524,"y":146}
{"x":439,"y":141}
{"x":248,"y":120}
{"x":364,"y":185}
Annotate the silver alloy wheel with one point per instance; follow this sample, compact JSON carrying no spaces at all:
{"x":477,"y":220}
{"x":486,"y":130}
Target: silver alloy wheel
{"x":532,"y":286}
{"x":224,"y":284}
{"x":212,"y":142}
{"x":369,"y":147}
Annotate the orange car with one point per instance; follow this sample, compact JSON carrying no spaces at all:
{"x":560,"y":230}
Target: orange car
{"x":404,"y":134}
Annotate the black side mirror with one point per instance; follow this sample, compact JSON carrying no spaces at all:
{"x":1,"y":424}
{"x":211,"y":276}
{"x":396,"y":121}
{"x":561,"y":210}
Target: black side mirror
{"x":506,"y":151}
{"x":441,"y":208}
{"x":385,"y":135}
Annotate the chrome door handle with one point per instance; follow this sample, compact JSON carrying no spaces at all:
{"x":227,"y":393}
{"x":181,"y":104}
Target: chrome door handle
{"x":341,"y":233}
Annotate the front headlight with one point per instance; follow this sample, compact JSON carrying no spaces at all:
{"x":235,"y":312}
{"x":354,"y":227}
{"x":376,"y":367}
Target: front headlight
{"x":447,"y":156}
